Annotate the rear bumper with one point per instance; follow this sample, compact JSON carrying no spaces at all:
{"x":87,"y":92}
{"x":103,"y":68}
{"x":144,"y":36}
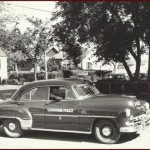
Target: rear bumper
{"x":137,"y":123}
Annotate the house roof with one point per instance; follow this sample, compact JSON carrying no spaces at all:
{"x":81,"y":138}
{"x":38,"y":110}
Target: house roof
{"x":2,"y":54}
{"x":50,"y":53}
{"x":85,"y":54}
{"x":53,"y":49}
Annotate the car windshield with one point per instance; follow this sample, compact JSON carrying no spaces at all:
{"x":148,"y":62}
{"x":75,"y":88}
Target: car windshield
{"x":83,"y":90}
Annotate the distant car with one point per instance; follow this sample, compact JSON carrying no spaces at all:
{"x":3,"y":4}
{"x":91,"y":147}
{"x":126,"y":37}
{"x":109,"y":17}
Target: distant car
{"x":115,"y":77}
{"x":143,"y":76}
{"x":62,"y":105}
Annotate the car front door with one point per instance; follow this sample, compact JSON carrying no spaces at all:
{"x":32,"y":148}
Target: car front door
{"x":34,"y":100}
{"x":61,"y":113}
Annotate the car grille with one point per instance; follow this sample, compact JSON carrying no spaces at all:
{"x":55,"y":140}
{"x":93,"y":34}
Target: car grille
{"x":139,"y":117}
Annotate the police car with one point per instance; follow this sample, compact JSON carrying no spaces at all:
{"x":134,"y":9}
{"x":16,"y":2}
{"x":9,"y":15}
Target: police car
{"x":61,"y":105}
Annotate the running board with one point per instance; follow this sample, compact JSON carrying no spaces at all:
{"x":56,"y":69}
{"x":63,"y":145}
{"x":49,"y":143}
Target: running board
{"x":67,"y":131}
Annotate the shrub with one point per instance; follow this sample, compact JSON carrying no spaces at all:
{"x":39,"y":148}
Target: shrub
{"x":13,"y":81}
{"x":13,"y":76}
{"x":22,"y":77}
{"x":67,"y":73}
{"x":41,"y":76}
{"x":4,"y":81}
{"x":55,"y":74}
{"x":101,"y":73}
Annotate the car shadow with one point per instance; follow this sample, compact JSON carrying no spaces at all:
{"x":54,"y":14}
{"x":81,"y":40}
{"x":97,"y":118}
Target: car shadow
{"x":126,"y":137}
{"x":72,"y":137}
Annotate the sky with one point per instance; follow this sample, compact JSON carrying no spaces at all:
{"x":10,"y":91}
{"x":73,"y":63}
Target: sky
{"x":39,"y":9}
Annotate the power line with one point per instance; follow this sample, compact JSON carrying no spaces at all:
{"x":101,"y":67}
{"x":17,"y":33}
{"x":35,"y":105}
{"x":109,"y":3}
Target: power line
{"x":32,"y":8}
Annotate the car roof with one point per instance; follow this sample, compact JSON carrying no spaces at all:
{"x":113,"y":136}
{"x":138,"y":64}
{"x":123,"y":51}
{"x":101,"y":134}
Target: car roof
{"x":54,"y":82}
{"x":65,"y":82}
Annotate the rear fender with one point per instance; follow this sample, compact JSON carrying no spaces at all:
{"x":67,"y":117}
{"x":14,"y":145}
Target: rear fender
{"x":21,"y":114}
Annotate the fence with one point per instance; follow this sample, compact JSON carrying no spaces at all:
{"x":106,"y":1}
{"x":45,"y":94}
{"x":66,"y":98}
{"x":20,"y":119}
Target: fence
{"x":140,"y":89}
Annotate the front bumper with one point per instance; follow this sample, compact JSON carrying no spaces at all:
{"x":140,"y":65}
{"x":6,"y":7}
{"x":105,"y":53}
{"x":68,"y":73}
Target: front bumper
{"x":137,"y":123}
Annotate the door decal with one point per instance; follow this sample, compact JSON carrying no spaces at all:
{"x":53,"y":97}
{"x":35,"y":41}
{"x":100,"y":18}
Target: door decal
{"x":59,"y":110}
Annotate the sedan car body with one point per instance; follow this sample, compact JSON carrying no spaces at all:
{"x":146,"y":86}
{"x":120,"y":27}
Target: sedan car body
{"x":71,"y":106}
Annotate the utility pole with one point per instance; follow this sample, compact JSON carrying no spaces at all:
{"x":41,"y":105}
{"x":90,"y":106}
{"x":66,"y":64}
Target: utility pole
{"x":45,"y":62}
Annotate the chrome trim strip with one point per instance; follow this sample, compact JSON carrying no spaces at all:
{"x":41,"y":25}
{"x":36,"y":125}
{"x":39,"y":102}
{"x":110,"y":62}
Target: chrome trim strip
{"x":55,"y":115}
{"x":96,"y":116}
{"x":75,"y":116}
{"x":54,"y":130}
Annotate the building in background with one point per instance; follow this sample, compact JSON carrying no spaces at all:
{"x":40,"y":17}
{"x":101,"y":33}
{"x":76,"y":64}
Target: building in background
{"x":89,"y":61}
{"x":3,"y":66}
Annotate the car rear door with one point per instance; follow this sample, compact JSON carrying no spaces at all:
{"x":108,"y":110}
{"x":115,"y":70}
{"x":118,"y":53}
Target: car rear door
{"x":62,"y":114}
{"x":34,"y":100}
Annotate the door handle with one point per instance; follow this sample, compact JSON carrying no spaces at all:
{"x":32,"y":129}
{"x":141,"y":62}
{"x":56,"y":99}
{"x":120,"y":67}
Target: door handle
{"x":20,"y":103}
{"x":47,"y":102}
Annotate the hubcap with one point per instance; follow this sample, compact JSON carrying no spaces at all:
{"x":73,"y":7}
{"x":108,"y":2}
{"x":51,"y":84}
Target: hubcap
{"x":12,"y":126}
{"x":106,"y":131}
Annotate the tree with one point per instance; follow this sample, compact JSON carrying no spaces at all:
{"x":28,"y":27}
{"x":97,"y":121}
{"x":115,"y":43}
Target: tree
{"x":36,"y":41}
{"x":67,"y":37}
{"x":5,"y":17}
{"x":11,"y":44}
{"x":116,"y":28}
{"x":10,"y":39}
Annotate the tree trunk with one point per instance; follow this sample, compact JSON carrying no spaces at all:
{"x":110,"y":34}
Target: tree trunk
{"x":35,"y":72}
{"x":138,"y":60}
{"x":127,"y":69}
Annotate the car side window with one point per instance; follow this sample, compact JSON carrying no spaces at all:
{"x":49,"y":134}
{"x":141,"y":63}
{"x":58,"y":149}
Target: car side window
{"x":60,"y":93}
{"x":69,"y":94}
{"x":39,"y":93}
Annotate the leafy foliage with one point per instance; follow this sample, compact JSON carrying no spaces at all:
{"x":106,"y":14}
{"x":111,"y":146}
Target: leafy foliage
{"x":116,"y":28}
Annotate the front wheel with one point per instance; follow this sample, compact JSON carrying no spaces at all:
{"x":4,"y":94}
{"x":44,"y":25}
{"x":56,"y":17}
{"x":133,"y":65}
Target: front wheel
{"x":106,"y":132}
{"x":12,"y":128}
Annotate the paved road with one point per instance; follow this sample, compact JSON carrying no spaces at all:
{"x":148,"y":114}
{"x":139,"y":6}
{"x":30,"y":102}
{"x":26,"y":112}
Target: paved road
{"x":40,"y":139}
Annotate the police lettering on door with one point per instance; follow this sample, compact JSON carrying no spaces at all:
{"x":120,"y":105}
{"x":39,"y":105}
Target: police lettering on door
{"x":59,"y":110}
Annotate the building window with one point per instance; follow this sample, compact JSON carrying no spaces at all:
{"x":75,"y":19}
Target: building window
{"x":89,"y":65}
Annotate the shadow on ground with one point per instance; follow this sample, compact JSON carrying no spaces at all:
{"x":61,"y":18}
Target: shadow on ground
{"x":72,"y":137}
{"x":126,"y":137}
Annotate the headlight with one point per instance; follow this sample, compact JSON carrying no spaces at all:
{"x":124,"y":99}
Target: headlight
{"x":131,"y":103}
{"x":147,"y":105}
{"x":128,"y":112}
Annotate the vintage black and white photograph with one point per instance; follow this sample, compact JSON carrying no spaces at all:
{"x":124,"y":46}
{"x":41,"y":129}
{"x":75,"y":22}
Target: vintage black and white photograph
{"x":74,"y":75}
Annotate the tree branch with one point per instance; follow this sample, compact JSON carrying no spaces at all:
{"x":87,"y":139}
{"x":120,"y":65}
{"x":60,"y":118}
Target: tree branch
{"x":133,"y":54}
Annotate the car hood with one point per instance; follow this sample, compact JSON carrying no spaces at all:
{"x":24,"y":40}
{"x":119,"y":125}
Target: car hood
{"x":113,"y":100}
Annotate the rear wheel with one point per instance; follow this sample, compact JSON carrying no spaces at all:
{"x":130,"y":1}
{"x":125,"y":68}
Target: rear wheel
{"x":106,"y":132}
{"x":12,"y":128}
